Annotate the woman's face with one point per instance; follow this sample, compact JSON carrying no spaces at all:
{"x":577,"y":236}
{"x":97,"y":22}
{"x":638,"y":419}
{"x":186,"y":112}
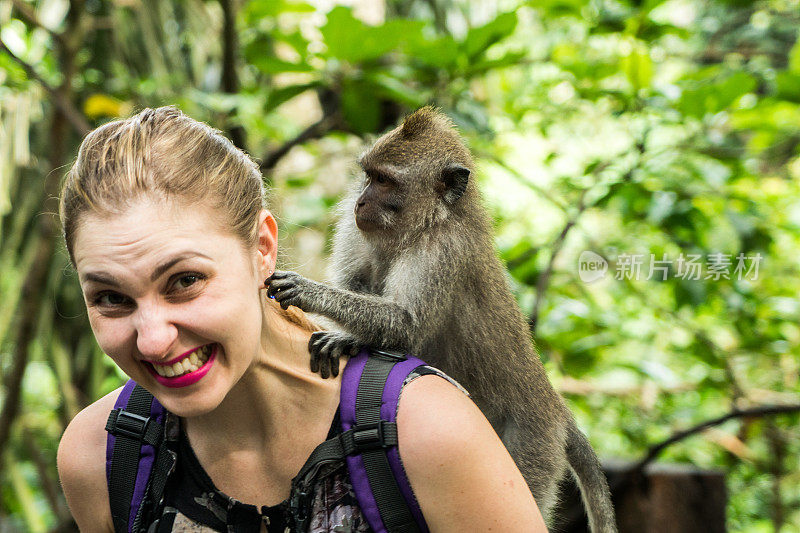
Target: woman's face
{"x":173,"y":297}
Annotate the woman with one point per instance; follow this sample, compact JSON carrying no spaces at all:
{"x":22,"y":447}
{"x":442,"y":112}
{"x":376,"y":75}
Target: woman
{"x":164,"y":221}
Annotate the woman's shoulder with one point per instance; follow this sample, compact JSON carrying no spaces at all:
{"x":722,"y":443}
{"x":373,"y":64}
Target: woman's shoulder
{"x":448,"y":447}
{"x":82,"y":465}
{"x":436,"y":418}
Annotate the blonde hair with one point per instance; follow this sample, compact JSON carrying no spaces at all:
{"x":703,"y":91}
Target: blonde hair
{"x":164,"y":153}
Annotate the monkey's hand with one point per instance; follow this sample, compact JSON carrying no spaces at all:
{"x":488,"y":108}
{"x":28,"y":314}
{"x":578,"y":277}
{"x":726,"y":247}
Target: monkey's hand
{"x":290,"y":288}
{"x":327,"y":347}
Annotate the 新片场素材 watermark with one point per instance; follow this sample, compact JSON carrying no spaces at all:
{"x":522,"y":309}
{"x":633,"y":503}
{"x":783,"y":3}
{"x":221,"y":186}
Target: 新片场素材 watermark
{"x":714,"y":266}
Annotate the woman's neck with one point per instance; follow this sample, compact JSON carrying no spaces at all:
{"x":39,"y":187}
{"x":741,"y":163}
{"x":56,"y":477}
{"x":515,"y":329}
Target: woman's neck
{"x":277,"y":395}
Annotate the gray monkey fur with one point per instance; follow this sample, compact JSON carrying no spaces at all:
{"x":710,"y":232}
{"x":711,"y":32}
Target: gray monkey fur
{"x":425,"y":279}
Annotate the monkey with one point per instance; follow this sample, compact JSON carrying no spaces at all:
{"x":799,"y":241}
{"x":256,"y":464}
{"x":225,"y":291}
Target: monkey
{"x":414,"y":270}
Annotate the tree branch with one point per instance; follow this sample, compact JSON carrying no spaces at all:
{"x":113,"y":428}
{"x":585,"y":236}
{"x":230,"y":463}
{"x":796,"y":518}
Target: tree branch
{"x":763,"y":410}
{"x":558,"y":243}
{"x":29,"y":311}
{"x":699,"y":334}
{"x":230,"y":80}
{"x":541,"y":191}
{"x":47,"y":229}
{"x":544,"y":277}
{"x":319,"y":129}
{"x":49,"y":485}
{"x":621,"y":484}
{"x":29,"y":15}
{"x":73,"y":115}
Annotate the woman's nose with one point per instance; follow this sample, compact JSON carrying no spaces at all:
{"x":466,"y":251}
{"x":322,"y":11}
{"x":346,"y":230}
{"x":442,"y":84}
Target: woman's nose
{"x":155,"y":333}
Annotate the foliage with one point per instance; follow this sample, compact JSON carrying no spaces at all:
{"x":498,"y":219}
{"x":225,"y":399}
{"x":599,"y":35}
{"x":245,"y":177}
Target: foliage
{"x":620,"y":127}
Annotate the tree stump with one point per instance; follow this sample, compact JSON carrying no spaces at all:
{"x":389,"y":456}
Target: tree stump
{"x":666,"y":498}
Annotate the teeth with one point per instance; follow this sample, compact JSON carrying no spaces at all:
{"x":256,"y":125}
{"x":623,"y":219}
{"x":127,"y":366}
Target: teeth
{"x":186,"y":365}
{"x":203,"y":353}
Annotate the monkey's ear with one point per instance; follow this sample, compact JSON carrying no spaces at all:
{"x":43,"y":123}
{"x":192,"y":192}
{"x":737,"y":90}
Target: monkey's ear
{"x":455,"y":178}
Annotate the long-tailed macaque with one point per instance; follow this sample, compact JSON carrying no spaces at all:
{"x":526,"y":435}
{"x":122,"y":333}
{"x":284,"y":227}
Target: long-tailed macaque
{"x":415,"y":270}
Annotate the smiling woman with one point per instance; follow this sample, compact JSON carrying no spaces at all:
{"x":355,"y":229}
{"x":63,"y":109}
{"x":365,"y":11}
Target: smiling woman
{"x":163,"y":280}
{"x":166,"y":225}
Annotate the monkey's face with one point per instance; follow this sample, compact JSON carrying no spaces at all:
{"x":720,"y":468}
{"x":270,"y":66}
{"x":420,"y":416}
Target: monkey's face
{"x":412,"y":180}
{"x":381,"y":205}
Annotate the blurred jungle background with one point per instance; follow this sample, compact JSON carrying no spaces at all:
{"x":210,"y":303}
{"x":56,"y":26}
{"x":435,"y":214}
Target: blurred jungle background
{"x":641,"y":159}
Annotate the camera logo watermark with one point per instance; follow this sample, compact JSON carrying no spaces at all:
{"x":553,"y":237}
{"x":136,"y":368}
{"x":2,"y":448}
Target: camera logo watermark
{"x":715,"y":266}
{"x":591,"y":266}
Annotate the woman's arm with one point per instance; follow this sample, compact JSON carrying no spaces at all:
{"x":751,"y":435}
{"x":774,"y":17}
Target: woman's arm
{"x":462,"y":475}
{"x":82,"y":466}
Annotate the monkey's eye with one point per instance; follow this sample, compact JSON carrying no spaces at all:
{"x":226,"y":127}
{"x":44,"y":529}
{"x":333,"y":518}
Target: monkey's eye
{"x":380,"y":179}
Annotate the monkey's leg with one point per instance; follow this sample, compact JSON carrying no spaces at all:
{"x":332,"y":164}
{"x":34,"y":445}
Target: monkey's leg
{"x":540,"y":456}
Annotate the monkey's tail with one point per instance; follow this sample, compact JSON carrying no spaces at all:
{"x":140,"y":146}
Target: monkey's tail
{"x":591,"y":481}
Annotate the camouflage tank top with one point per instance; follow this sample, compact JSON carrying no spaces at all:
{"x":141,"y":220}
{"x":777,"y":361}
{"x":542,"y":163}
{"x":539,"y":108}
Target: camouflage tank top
{"x":192,"y":503}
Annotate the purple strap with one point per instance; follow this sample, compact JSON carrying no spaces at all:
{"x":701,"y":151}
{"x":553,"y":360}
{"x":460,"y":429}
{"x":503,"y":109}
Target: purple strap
{"x":146,"y":455}
{"x":351,"y":377}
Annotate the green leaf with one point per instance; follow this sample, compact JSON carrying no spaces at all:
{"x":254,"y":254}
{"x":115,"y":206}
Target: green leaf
{"x":510,"y":59}
{"x":558,"y":8}
{"x":479,"y":39}
{"x":360,"y":106}
{"x":258,"y":9}
{"x":273,"y":65}
{"x":638,"y":67}
{"x":294,"y":39}
{"x":769,"y":115}
{"x":349,"y":39}
{"x":218,"y":102}
{"x":578,"y":360}
{"x":439,"y":53}
{"x":261,"y":53}
{"x":575,"y":59}
{"x":283,"y":94}
{"x":787,"y":86}
{"x":794,"y":57}
{"x":398,"y":91}
{"x":709,"y":97}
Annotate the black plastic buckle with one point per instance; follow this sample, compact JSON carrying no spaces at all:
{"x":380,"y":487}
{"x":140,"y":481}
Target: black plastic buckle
{"x":122,"y":422}
{"x":368,"y":437}
{"x":391,"y":354}
{"x":298,"y":507}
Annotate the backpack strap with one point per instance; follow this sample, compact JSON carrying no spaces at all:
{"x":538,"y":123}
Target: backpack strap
{"x":135,"y":432}
{"x":371,"y":386}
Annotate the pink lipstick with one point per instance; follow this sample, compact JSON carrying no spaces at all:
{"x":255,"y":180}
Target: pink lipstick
{"x":190,"y":378}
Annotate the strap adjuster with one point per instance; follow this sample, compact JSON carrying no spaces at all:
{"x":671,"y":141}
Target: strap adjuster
{"x":389,"y":354}
{"x":368,"y":437}
{"x":122,"y":422}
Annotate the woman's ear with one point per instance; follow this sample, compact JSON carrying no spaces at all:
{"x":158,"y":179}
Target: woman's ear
{"x":267,"y":243}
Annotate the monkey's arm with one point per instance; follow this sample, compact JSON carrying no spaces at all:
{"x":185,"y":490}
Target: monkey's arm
{"x":415,"y":297}
{"x":374,"y":320}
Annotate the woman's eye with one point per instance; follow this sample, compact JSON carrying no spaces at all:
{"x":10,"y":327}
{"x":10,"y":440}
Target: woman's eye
{"x":110,"y":299}
{"x":186,"y":280}
{"x":178,"y":284}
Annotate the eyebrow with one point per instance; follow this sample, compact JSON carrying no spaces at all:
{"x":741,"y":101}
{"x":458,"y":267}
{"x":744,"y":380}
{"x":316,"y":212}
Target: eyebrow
{"x":106,"y":279}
